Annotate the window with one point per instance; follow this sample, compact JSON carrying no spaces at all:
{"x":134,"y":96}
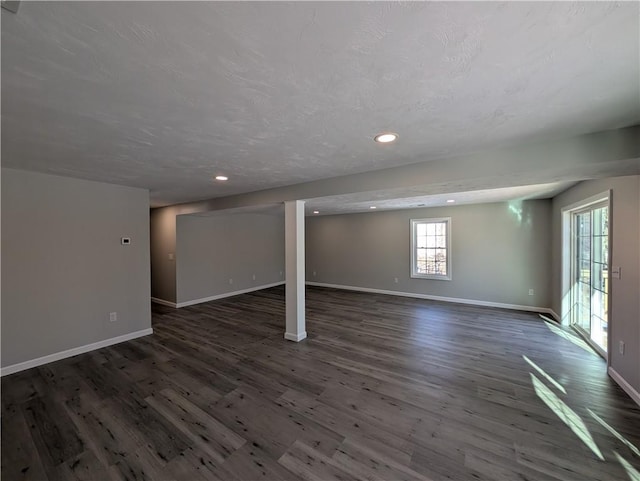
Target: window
{"x":431,"y":248}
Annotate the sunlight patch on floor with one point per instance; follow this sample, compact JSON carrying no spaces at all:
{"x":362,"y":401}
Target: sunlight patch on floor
{"x":569,"y":337}
{"x":613,"y":431}
{"x":633,"y":473}
{"x":542,"y":372}
{"x":566,"y":414}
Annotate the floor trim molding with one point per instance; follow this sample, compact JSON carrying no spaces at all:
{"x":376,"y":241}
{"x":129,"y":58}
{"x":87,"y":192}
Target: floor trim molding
{"x":555,"y":315}
{"x":157,"y":300}
{"x":21,"y":366}
{"x":226,"y":294}
{"x":457,"y":300}
{"x":549,"y":319}
{"x":289,"y":336}
{"x":626,"y":387}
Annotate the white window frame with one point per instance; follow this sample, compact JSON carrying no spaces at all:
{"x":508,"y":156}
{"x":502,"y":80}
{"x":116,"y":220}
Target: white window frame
{"x":414,"y":224}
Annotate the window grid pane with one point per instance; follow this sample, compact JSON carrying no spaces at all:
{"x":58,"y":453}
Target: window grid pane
{"x":431,"y":248}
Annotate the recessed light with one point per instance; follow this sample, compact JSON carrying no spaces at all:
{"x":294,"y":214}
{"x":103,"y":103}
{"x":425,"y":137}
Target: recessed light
{"x":385,"y":137}
{"x":316,"y":211}
{"x":373,"y":207}
{"x":222,"y":177}
{"x":450,"y":201}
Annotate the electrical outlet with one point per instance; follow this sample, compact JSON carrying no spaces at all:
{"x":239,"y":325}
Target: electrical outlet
{"x":113,"y":316}
{"x":314,"y":273}
{"x":254,"y":277}
{"x":171,"y":256}
{"x":621,"y":347}
{"x":230,"y":281}
{"x":395,"y":279}
{"x":530,"y":292}
{"x":280,"y":273}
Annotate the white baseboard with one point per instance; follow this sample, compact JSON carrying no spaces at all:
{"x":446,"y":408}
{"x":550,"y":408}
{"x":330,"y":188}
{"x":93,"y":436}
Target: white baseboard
{"x":225,"y":294}
{"x":549,"y":319}
{"x":457,"y":300}
{"x":21,"y":366}
{"x":628,"y":388}
{"x":289,"y":336}
{"x":163,"y":302}
{"x":555,"y":315}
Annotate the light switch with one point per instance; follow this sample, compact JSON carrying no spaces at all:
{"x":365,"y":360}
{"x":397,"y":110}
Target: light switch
{"x":171,"y":257}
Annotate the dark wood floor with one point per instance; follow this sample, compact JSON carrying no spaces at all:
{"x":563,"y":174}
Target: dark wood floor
{"x":384,"y":388}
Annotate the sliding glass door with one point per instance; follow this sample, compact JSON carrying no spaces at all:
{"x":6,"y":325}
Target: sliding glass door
{"x":590,"y":273}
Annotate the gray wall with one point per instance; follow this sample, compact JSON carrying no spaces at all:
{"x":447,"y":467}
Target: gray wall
{"x":63,"y":268}
{"x":625,"y":251}
{"x":499,"y":251}
{"x":212,"y":250}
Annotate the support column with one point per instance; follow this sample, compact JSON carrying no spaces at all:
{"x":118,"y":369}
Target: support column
{"x":294,"y":260}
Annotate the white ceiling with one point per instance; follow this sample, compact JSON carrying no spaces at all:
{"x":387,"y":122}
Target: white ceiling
{"x":165,"y":95}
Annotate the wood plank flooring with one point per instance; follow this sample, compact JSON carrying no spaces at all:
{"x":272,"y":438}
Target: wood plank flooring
{"x":385,"y":388}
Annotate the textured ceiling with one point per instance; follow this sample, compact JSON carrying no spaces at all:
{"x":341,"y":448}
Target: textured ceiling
{"x":166,"y":95}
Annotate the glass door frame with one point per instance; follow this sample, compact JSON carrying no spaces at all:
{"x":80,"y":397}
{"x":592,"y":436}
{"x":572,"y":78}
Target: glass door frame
{"x":569,"y":258}
{"x":587,"y":334}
